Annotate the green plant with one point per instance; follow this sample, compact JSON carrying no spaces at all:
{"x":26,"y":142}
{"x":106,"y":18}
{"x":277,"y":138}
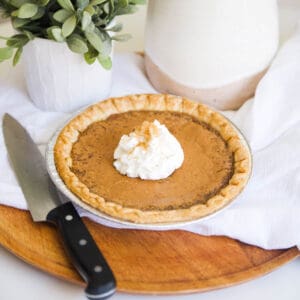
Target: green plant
{"x":85,"y":25}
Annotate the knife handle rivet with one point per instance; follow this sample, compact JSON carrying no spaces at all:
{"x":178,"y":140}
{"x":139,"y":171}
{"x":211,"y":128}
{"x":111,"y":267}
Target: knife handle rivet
{"x":98,"y":269}
{"x":69,"y":217}
{"x":82,"y":242}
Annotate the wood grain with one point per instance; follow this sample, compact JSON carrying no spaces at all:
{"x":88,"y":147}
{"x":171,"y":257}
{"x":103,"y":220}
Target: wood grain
{"x":144,"y":261}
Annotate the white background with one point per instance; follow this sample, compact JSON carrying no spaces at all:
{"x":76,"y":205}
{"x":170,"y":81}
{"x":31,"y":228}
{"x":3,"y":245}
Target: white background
{"x":21,"y":281}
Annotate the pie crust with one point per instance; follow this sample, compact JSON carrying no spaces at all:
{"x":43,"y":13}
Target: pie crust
{"x":153,"y":102}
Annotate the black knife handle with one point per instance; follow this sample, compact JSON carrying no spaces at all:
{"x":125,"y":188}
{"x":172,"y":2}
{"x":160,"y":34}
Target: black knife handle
{"x":84,"y":252}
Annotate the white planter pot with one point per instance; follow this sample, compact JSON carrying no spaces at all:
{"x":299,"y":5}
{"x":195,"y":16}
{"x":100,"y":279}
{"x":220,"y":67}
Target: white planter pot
{"x":60,"y":80}
{"x":214,"y":51}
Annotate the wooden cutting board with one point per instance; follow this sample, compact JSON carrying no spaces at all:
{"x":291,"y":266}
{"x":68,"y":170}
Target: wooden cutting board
{"x":144,"y":261}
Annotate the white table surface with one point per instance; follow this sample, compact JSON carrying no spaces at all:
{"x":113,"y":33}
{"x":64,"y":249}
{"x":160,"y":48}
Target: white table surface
{"x":19,"y":280}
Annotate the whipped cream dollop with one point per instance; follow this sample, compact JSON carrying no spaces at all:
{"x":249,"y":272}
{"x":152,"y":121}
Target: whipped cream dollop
{"x":149,"y":152}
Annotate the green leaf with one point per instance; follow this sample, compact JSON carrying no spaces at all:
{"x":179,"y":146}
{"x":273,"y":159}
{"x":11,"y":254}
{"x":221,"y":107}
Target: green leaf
{"x":106,"y":8}
{"x":97,"y":2}
{"x":66,"y":4}
{"x":130,"y":9}
{"x":121,"y":37}
{"x":17,"y":3}
{"x":99,"y":22}
{"x":77,"y":44}
{"x":91,"y":27}
{"x":116,"y":28}
{"x":40,"y":13}
{"x":42,"y":2}
{"x":91,"y":56}
{"x":28,"y":34}
{"x":105,"y":62}
{"x":100,"y":41}
{"x":16,"y":22}
{"x":138,"y":2}
{"x":55,"y":33}
{"x":62,"y":15}
{"x":6,"y":53}
{"x":69,"y":26}
{"x":82,"y":3}
{"x":123,"y":3}
{"x":107,"y":44}
{"x":89,"y":60}
{"x":86,"y":20}
{"x":17,"y":41}
{"x":95,"y":40}
{"x":17,"y":56}
{"x":90,"y":9}
{"x":15,"y":13}
{"x":27,"y":10}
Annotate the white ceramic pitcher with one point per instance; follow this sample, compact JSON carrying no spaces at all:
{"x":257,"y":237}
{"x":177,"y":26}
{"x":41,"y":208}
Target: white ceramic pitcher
{"x":214,"y":51}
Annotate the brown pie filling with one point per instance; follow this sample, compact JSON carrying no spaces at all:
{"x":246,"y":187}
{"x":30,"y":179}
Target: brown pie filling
{"x":207,"y":167}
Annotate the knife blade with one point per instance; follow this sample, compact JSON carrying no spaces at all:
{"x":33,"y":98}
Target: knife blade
{"x":45,"y":203}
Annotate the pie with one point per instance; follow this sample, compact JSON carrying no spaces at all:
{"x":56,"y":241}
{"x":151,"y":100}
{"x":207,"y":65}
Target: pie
{"x":216,"y":167}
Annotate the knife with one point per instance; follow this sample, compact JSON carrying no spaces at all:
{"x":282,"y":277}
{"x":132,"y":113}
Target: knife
{"x":47,"y":204}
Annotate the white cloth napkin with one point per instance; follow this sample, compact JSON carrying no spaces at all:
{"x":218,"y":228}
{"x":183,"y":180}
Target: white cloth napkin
{"x":267,"y":213}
